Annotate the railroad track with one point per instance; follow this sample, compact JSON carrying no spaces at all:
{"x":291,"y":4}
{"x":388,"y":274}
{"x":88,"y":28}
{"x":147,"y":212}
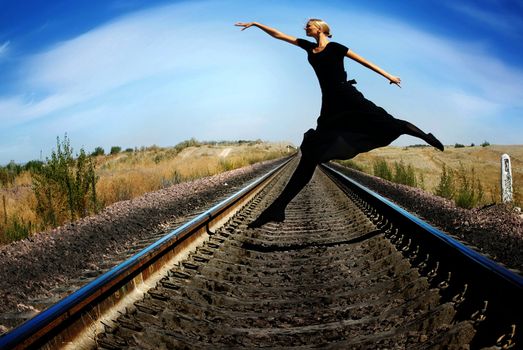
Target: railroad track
{"x":346,"y":270}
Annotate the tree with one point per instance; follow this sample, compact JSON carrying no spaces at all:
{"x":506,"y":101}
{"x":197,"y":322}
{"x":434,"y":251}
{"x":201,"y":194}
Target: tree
{"x":115,"y":149}
{"x":98,"y":151}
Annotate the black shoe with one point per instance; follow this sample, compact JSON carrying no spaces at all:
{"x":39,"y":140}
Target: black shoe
{"x":268,"y":215}
{"x":434,"y":142}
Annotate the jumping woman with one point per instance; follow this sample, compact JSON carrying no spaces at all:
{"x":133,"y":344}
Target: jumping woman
{"x":348,"y":123}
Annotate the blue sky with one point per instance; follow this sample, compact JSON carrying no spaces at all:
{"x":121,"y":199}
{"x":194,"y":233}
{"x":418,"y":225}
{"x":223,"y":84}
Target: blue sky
{"x":142,"y":72}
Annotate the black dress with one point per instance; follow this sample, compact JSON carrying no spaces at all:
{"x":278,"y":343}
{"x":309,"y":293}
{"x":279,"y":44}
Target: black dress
{"x":348,"y":123}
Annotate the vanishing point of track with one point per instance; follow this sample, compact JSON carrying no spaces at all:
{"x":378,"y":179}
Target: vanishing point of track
{"x":346,"y":270}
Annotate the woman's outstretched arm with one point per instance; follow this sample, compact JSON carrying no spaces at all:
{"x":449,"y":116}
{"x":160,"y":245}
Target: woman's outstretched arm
{"x":271,"y":31}
{"x":392,"y":79}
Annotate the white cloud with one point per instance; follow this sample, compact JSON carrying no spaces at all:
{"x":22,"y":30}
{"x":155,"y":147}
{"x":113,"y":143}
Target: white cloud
{"x":157,"y":44}
{"x":496,"y":17}
{"x":471,"y":106}
{"x":442,"y":61}
{"x":182,"y":64}
{"x":3,"y":48}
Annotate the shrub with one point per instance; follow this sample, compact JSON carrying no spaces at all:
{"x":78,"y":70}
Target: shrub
{"x":418,"y":145}
{"x":461,"y":186}
{"x":404,"y":175}
{"x":64,"y":187}
{"x":158,"y":158}
{"x":470,"y":192}
{"x":33,"y":165}
{"x":446,"y":185}
{"x":9,"y":172}
{"x":185,"y":144}
{"x":485,"y":144}
{"x":226,"y":164}
{"x":472,"y":144}
{"x":459,"y":145}
{"x":129,"y":150}
{"x":16,"y":230}
{"x":98,"y":151}
{"x":381,"y":169}
{"x":115,"y":150}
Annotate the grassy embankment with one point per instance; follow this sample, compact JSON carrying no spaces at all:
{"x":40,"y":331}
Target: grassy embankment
{"x":427,"y":163}
{"x":126,"y":175}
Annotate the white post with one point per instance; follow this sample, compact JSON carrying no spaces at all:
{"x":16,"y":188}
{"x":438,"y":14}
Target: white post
{"x":506,"y":179}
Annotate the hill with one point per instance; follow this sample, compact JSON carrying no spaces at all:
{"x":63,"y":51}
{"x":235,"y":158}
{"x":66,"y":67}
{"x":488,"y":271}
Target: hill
{"x":428,"y":163}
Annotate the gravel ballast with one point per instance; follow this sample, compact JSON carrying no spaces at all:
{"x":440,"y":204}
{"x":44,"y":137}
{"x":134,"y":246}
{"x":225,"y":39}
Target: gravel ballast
{"x":496,"y":231}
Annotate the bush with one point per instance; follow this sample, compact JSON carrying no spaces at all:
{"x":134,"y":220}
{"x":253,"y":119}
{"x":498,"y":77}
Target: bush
{"x":461,"y":186}
{"x":185,"y":144}
{"x":485,"y":144}
{"x":470,"y":192}
{"x":381,"y":169}
{"x":115,"y":150}
{"x":404,"y":175}
{"x":98,"y":151}
{"x":64,"y":187}
{"x":9,"y":172}
{"x":33,"y":165}
{"x":446,"y":185}
{"x":16,"y":230}
{"x":459,"y":145}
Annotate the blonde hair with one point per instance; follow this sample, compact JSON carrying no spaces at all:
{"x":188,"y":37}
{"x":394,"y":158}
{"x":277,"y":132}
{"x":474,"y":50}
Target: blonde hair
{"x":321,"y":25}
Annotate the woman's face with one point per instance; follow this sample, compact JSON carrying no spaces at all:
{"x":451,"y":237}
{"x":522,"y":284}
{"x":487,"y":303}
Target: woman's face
{"x":311,"y":30}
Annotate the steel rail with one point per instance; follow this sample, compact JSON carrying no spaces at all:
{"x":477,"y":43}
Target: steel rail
{"x":484,"y":279}
{"x":64,"y":321}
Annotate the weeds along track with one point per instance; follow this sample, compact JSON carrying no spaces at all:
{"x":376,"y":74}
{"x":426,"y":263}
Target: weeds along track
{"x":344,"y":271}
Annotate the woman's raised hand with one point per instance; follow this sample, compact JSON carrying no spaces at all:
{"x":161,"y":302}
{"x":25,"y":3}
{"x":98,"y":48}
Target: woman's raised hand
{"x":395,"y":81}
{"x":244,"y":25}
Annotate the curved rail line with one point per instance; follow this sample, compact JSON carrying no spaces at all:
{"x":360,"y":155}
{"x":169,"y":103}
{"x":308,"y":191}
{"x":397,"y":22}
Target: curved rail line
{"x":353,"y":271}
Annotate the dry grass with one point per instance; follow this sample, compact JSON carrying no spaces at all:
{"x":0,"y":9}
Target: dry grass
{"x":429,"y":162}
{"x":131,"y":174}
{"x":19,"y":207}
{"x":127,"y":175}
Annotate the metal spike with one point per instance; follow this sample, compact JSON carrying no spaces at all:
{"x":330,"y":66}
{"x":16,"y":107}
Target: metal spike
{"x":459,"y":298}
{"x":434,"y":272}
{"x":479,"y":315}
{"x":444,"y":284}
{"x":505,"y":341}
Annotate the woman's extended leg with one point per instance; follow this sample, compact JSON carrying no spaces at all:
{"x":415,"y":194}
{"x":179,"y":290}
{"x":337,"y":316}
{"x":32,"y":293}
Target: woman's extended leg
{"x":413,"y":130}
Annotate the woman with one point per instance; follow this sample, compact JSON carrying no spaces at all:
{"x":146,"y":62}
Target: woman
{"x":348,"y":123}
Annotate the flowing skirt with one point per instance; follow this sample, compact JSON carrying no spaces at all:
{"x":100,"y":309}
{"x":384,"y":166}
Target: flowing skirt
{"x":349,"y":124}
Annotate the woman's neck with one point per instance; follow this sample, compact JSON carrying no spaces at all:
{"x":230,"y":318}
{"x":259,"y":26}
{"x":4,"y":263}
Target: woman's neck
{"x":322,"y":40}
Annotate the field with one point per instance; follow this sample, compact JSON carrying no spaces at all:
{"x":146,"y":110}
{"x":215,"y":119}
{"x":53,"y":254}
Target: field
{"x":427,"y":161}
{"x":126,"y":175}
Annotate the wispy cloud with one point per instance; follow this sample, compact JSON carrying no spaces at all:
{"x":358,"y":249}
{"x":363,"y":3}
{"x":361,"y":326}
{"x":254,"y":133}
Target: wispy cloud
{"x":4,"y":48}
{"x":183,"y":70}
{"x":129,"y":50}
{"x":494,"y":15}
{"x":449,"y":84}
